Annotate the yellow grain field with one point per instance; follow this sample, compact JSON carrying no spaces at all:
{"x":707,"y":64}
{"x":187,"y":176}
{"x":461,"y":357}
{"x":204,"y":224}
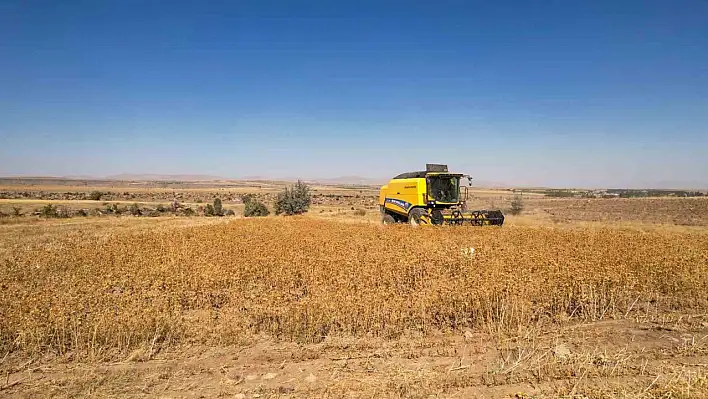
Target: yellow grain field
{"x":303,"y":280}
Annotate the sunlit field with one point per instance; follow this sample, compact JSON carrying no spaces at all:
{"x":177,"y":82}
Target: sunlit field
{"x":103,"y":290}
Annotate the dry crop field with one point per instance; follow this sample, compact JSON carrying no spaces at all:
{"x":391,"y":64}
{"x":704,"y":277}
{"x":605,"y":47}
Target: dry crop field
{"x":325,"y":305}
{"x":25,"y":192}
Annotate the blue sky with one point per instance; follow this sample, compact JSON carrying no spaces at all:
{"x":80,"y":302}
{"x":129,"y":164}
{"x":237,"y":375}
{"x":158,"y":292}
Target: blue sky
{"x":553,"y":93}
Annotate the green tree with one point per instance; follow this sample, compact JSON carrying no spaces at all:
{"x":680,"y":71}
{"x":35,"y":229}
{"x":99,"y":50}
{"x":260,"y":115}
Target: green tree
{"x":293,"y":200}
{"x":218,"y":209}
{"x":255,"y":208}
{"x":208,"y":210}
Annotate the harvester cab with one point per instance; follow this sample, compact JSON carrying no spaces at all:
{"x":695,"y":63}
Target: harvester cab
{"x":431,"y":197}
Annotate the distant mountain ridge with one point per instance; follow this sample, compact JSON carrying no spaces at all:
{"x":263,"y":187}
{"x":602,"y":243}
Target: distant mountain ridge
{"x":163,"y":177}
{"x":352,"y":180}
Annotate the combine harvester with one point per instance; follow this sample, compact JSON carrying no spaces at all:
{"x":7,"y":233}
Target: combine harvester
{"x":431,"y":197}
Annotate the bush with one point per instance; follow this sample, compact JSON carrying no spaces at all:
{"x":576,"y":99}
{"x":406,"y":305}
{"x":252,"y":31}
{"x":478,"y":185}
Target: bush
{"x":218,"y":209}
{"x":49,"y":211}
{"x":294,"y":200}
{"x":359,"y":212}
{"x":161,"y":208}
{"x":95,"y":195}
{"x":16,"y":211}
{"x":517,"y":205}
{"x":255,"y":208}
{"x":82,"y":212}
{"x":208,"y":210}
{"x":135,"y":210}
{"x":63,"y":213}
{"x":229,"y":212}
{"x":188,"y":211}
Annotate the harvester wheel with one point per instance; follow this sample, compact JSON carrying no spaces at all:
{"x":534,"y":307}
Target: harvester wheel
{"x":418,"y":216}
{"x":387,"y":219}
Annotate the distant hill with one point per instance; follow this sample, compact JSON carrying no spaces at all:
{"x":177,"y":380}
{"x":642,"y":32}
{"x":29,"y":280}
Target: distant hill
{"x":348,"y":180}
{"x":78,"y":177}
{"x":353,"y":180}
{"x":158,"y":177}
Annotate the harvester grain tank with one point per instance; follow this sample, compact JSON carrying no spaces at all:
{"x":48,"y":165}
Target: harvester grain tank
{"x":431,"y":197}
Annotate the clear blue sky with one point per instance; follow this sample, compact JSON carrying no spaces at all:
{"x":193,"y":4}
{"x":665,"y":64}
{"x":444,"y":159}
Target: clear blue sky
{"x":559,"y":93}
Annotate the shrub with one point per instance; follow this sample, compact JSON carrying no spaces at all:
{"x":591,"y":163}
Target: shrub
{"x":208,"y":210}
{"x":360,"y":212}
{"x":16,"y":211}
{"x":82,"y":212}
{"x":95,"y":195}
{"x":63,"y":213}
{"x":229,"y":212}
{"x":218,"y":209}
{"x":294,"y":200}
{"x":161,"y":208}
{"x":517,"y":205}
{"x":48,"y":211}
{"x":135,"y":210}
{"x":188,"y":211}
{"x":255,"y":208}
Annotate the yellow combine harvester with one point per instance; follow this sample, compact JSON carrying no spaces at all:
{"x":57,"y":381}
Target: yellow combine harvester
{"x":431,"y":197}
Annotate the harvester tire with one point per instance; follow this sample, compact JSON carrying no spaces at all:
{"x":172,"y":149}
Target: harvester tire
{"x":417,"y":216}
{"x":387,"y":219}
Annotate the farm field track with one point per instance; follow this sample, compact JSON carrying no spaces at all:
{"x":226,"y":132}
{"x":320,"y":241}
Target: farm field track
{"x":313,"y":307}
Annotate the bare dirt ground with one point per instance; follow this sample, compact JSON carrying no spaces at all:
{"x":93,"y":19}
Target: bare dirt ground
{"x":678,"y":211}
{"x":614,"y":359}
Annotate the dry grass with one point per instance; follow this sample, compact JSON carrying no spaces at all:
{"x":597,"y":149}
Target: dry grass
{"x":111,"y":292}
{"x":335,"y":309}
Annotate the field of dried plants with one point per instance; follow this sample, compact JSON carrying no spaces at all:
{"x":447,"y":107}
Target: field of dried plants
{"x":305,"y":306}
